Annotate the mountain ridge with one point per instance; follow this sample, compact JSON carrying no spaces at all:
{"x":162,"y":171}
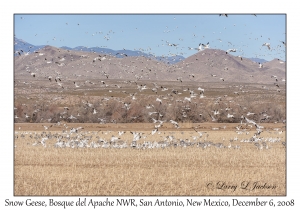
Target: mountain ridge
{"x":21,"y":44}
{"x":209,"y":65}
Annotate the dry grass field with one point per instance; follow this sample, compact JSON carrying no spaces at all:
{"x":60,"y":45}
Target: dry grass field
{"x":242,"y":169}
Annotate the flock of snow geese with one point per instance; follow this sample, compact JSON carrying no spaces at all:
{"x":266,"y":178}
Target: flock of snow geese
{"x":79,"y":138}
{"x":72,"y":137}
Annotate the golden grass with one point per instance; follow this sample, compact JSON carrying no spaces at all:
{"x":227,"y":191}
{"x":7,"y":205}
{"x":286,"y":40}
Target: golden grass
{"x":169,"y":171}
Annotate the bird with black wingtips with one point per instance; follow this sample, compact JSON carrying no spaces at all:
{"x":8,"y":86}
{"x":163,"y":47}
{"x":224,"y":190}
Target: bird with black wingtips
{"x":205,"y":45}
{"x":267,"y":45}
{"x":230,"y":50}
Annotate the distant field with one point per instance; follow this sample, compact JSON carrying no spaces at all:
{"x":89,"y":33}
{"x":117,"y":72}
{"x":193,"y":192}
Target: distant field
{"x":170,"y":170}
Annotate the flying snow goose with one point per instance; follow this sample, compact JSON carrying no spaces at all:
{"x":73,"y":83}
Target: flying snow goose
{"x":223,"y":15}
{"x":267,"y":45}
{"x":230,"y":50}
{"x":174,"y":123}
{"x":76,"y":85}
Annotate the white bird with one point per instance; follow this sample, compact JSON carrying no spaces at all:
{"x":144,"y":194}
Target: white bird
{"x":127,"y":106}
{"x":216,"y":112}
{"x":200,"y":133}
{"x":154,"y":131}
{"x":121,"y":133}
{"x":174,"y":123}
{"x":76,"y":85}
{"x":249,"y":121}
{"x":113,"y":139}
{"x":199,"y":48}
{"x":202,"y":95}
{"x":230,"y":116}
{"x":249,"y":113}
{"x":223,"y":15}
{"x":150,"y":113}
{"x":205,"y":45}
{"x":159,"y":100}
{"x":95,"y":111}
{"x":47,"y":127}
{"x":230,"y":50}
{"x":188,"y":99}
{"x":212,"y":118}
{"x":136,"y":136}
{"x":72,"y":117}
{"x":267,"y":45}
{"x":201,"y":89}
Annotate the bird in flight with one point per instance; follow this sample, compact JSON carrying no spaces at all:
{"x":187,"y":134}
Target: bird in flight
{"x":76,"y":85}
{"x":174,"y":123}
{"x":223,"y":15}
{"x":267,"y":45}
{"x":230,"y":50}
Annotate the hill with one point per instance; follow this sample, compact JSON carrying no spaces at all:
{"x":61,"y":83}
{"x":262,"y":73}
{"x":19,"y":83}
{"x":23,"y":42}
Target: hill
{"x":210,"y":65}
